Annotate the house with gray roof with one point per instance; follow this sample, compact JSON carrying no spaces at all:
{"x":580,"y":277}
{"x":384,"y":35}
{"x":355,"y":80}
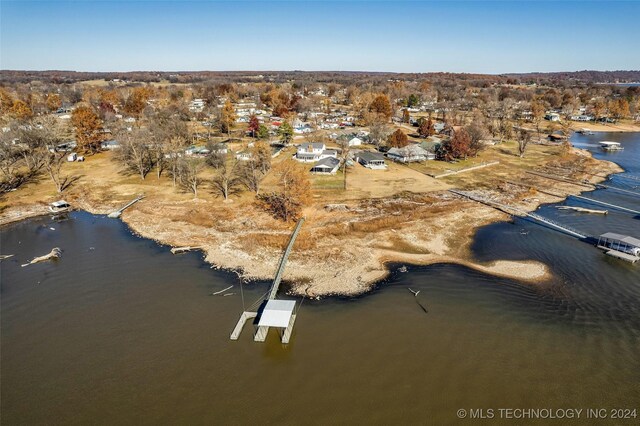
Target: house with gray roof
{"x":371,"y":160}
{"x":410,"y":154}
{"x":328,"y":165}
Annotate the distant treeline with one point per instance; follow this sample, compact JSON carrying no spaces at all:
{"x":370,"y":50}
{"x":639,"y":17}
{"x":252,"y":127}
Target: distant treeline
{"x":583,"y":76}
{"x":342,"y":77}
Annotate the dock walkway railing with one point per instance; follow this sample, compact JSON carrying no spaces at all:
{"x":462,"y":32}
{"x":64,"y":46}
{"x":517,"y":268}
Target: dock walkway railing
{"x":518,"y":212}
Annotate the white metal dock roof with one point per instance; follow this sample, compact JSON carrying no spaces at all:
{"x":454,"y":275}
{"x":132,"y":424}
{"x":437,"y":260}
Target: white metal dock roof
{"x":277,"y":313}
{"x":624,"y":238}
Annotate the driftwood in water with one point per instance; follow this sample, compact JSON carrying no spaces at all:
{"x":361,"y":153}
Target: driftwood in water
{"x":177,"y":250}
{"x":54,"y":254}
{"x":221,"y":291}
{"x":583,"y":210}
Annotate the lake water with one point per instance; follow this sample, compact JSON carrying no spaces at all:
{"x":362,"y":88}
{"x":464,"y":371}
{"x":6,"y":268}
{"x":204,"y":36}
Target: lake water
{"x":120,"y":331}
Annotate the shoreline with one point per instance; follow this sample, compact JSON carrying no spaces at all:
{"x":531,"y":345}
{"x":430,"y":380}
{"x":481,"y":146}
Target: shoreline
{"x":611,"y":128}
{"x":347,"y":260}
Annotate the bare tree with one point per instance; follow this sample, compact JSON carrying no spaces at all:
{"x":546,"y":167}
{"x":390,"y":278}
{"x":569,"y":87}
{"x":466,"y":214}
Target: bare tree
{"x":169,"y":137}
{"x":477,"y":133}
{"x":344,"y":157}
{"x":188,"y":172}
{"x":53,"y":167}
{"x":567,"y":128}
{"x":537,"y":112}
{"x":226,"y":179}
{"x":10,"y":160}
{"x":134,"y":151}
{"x":523,"y":138}
{"x":379,"y":132}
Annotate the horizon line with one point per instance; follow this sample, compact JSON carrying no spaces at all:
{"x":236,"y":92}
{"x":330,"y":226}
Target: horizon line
{"x":316,"y":71}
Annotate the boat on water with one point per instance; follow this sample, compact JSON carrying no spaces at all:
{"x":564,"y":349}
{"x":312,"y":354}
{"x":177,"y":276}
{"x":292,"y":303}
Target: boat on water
{"x":611,"y":146}
{"x":60,"y":206}
{"x":585,"y":131}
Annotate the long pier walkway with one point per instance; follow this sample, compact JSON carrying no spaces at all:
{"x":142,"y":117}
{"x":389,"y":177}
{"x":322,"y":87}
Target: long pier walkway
{"x":118,"y":212}
{"x":518,"y":212}
{"x":272,"y":312}
{"x":580,"y":197}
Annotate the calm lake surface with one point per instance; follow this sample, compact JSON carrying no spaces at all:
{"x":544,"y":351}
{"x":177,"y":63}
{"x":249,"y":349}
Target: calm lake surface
{"x":120,"y":331}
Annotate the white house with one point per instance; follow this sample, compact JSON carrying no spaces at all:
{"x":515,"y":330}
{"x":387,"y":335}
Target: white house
{"x":308,"y":152}
{"x":438,"y":127}
{"x":196,"y":105}
{"x":109,"y":145}
{"x":355,"y":141}
{"x":244,"y":155}
{"x":194,"y":150}
{"x":409,"y":154}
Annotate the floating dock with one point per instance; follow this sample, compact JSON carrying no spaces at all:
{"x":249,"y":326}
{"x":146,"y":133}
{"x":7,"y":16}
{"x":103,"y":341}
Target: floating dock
{"x":621,"y":255}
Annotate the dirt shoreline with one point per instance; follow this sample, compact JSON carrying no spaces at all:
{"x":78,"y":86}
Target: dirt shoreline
{"x":339,"y":252}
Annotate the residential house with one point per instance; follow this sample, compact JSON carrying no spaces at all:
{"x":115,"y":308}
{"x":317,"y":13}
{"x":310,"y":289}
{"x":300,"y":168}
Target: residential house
{"x":109,"y":145}
{"x":328,"y":165}
{"x":582,"y":117}
{"x":197,"y":105}
{"x":431,"y":146}
{"x":314,"y":151}
{"x":410,"y":154}
{"x":197,"y":151}
{"x":371,"y":160}
{"x":355,"y":141}
{"x":552,"y":116}
{"x":66,"y":146}
{"x":244,"y":155}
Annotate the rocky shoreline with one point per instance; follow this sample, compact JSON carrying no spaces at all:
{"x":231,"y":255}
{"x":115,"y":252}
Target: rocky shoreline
{"x":340,"y":251}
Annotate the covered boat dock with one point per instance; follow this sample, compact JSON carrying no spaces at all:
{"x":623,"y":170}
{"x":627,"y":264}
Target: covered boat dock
{"x":620,"y":246}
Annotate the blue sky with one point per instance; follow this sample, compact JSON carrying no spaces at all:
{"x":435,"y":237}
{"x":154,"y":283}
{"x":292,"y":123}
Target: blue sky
{"x":414,"y":36}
